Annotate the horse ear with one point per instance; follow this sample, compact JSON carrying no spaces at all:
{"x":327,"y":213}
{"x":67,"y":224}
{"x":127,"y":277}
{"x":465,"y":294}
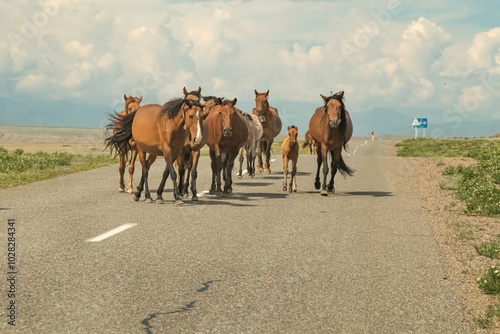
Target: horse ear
{"x":267,"y":93}
{"x":256,"y":92}
{"x":184,"y":90}
{"x":199,"y":90}
{"x":234,"y":101}
{"x":125,"y":97}
{"x":324,"y":97}
{"x":341,"y":94}
{"x":139,"y":99}
{"x":288,"y":127}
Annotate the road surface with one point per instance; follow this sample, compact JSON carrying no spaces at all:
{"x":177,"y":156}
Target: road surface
{"x":363,"y":260}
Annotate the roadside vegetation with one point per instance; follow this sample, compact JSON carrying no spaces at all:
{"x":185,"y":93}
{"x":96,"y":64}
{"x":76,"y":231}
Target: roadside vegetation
{"x":478,"y":186}
{"x":18,"y":167}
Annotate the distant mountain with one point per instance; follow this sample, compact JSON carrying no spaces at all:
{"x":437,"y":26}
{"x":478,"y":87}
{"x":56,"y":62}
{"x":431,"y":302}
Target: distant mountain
{"x":384,"y":121}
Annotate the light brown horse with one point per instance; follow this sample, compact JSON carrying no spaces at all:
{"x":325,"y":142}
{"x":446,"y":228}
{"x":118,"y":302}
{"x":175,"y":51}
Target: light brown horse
{"x":186,"y":163}
{"x":255,"y":131}
{"x":271,"y":124}
{"x":309,"y":142}
{"x":331,"y":128}
{"x":227,"y":133}
{"x":290,"y":151}
{"x":131,"y":105}
{"x":158,"y":131}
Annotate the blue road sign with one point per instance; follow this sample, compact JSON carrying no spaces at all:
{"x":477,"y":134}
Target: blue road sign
{"x":420,"y":123}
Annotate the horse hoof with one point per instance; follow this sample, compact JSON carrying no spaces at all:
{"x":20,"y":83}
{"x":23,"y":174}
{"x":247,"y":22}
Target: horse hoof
{"x":284,"y":189}
{"x":332,"y":190}
{"x":324,"y":192}
{"x":130,"y":191}
{"x":148,"y":200}
{"x":267,"y":171}
{"x":225,"y":194}
{"x":121,"y":190}
{"x":290,"y":190}
{"x":136,"y":198}
{"x":178,"y":201}
{"x":230,"y":191}
{"x":160,"y":201}
{"x":317,"y":185}
{"x":295,"y":190}
{"x":212,"y":192}
{"x":194,"y":198}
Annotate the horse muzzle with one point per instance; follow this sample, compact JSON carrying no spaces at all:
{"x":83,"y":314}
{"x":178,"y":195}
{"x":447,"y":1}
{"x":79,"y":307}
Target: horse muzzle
{"x":227,"y":132}
{"x":334,"y":123}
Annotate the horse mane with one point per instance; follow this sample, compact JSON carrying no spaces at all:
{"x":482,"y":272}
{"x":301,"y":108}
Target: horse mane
{"x":293,"y":127}
{"x":172,"y":107}
{"x":226,"y":102}
{"x":207,"y":98}
{"x":247,"y":115}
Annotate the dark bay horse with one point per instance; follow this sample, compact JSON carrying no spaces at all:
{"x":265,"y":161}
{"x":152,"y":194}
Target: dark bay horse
{"x":290,"y":151}
{"x":271,"y":125}
{"x":331,"y":128}
{"x":131,"y":105}
{"x":158,"y":131}
{"x":187,"y":161}
{"x":227,"y":133}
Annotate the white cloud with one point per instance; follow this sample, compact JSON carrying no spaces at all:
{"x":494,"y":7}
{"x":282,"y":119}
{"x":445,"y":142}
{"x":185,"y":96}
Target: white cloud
{"x":485,"y":50}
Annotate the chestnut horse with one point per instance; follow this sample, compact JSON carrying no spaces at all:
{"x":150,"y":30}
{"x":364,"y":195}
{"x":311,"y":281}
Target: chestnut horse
{"x":331,"y":128}
{"x":227,"y":133}
{"x":310,"y":142}
{"x":290,"y":151}
{"x":131,"y":105}
{"x":254,"y":134}
{"x":187,"y":161}
{"x":271,"y":125}
{"x":159,"y":131}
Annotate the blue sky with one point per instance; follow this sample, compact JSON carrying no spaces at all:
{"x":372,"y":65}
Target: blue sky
{"x":398,"y":54}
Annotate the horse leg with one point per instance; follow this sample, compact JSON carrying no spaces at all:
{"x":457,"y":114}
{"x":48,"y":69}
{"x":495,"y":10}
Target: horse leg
{"x":335,"y":159}
{"x":317,"y":184}
{"x":121,"y":170}
{"x":240,"y":172}
{"x":259,"y":156}
{"x":267,"y":168}
{"x":230,"y":157}
{"x":293,"y":180}
{"x":285,"y":171}
{"x":143,"y":184}
{"x":213,"y":166}
{"x":173,"y":177}
{"x":324,"y":156}
{"x":188,"y":173}
{"x":218,"y":171}
{"x":159,"y":191}
{"x":195,"y":155}
{"x":131,"y":170}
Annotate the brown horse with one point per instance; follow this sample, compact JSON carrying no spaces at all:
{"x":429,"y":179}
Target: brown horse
{"x":331,"y":128}
{"x":254,"y":134}
{"x":131,"y":105}
{"x":187,"y":162}
{"x":227,"y":133}
{"x":271,"y":124}
{"x":290,"y":151}
{"x":159,"y":131}
{"x":310,"y":143}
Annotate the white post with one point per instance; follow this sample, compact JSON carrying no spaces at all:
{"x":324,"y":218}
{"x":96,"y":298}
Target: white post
{"x":416,"y":133}
{"x":424,"y":133}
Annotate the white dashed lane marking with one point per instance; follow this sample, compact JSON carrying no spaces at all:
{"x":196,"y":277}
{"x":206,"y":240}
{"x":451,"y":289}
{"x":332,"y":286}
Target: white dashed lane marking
{"x":111,"y":233}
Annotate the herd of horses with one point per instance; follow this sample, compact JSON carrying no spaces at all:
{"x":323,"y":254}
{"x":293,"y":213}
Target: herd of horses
{"x":178,"y":129}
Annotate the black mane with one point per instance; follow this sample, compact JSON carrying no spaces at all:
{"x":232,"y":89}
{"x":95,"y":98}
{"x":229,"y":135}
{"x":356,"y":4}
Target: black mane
{"x":172,"y":107}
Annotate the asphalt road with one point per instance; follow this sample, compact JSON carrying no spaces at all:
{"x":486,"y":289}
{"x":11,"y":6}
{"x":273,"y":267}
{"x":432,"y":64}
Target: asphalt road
{"x":363,"y":260}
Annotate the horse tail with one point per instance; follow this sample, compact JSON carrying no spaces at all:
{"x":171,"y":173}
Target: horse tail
{"x":343,"y":168}
{"x":305,"y":144}
{"x":122,"y":133}
{"x":263,"y":145}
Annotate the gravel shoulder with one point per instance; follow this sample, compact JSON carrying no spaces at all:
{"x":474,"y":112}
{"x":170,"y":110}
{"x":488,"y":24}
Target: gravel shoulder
{"x":456,"y":235}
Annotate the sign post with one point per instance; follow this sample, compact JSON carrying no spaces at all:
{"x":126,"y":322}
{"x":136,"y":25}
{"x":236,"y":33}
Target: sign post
{"x":373,"y":135}
{"x":419,"y":123}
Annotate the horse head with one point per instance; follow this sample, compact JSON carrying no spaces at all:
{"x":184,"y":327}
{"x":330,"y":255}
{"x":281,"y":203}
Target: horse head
{"x":261,"y":102}
{"x":131,"y":103}
{"x":293,"y":133}
{"x":194,"y":95}
{"x":193,"y":120}
{"x":226,"y":112}
{"x":210,"y":102}
{"x":334,"y":107}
